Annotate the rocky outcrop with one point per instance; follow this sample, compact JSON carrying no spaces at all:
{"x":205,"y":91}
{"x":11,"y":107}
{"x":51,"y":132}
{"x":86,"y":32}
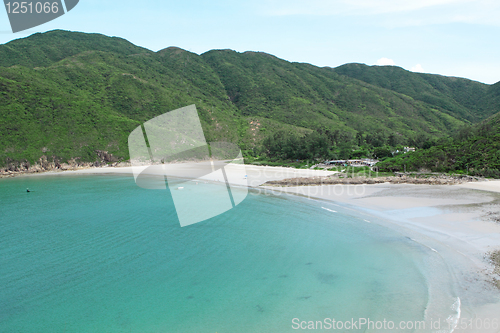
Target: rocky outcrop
{"x":401,"y":179}
{"x":106,"y":157}
{"x":103,"y":158}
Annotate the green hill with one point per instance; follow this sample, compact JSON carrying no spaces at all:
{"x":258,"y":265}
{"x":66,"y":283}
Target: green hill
{"x":460,"y":98}
{"x":318,"y":98}
{"x":69,"y":95}
{"x":474,"y":150}
{"x":491,"y":101}
{"x":92,"y":100}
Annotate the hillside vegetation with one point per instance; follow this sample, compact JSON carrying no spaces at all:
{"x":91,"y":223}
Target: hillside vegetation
{"x":69,"y":96}
{"x":474,"y":151}
{"x":461,"y":98}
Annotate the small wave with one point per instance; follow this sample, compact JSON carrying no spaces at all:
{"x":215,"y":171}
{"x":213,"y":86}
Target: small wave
{"x":454,"y":318}
{"x":330,"y":210}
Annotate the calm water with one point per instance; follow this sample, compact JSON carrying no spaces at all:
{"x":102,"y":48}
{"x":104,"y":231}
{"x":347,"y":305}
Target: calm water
{"x":99,"y":254}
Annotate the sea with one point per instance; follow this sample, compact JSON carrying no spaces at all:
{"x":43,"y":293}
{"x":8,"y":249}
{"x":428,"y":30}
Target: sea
{"x":96,"y":253}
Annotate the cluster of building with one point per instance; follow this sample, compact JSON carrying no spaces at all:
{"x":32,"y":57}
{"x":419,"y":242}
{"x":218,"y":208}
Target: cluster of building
{"x":405,"y":150}
{"x":364,"y":161}
{"x":361,"y":162}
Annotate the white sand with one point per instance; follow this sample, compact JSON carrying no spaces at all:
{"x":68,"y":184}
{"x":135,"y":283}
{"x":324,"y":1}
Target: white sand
{"x":256,"y":175}
{"x":491,"y":185}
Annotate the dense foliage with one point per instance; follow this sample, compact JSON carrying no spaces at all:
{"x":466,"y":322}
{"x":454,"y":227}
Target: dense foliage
{"x":67,"y":95}
{"x":460,"y":98}
{"x":287,"y":146}
{"x":318,"y":98}
{"x":474,"y":150}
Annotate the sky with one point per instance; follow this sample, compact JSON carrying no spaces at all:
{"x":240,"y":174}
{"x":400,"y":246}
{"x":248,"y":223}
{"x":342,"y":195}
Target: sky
{"x":448,"y":37}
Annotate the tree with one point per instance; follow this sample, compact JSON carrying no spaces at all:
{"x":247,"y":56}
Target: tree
{"x":393,"y":140}
{"x":381,"y":152}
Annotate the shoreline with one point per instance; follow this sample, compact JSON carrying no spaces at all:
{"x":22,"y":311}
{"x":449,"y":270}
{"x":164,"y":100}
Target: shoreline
{"x":364,"y":194}
{"x":462,"y":220}
{"x":40,"y":170}
{"x":257,"y":175}
{"x":358,"y":192}
{"x":461,"y":223}
{"x":294,"y":177}
{"x":476,"y":205}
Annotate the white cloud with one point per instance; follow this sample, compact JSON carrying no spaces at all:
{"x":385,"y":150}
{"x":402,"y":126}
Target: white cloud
{"x":401,"y":13}
{"x":392,"y":6}
{"x":385,"y":62}
{"x":417,"y":68}
{"x":355,"y":7}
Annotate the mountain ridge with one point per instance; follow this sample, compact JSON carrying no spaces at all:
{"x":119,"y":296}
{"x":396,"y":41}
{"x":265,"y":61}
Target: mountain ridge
{"x":67,"y":95}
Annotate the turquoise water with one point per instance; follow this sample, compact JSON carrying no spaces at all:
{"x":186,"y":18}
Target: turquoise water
{"x":99,"y":254}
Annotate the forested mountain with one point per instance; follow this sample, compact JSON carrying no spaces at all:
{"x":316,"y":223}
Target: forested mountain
{"x":69,"y":95}
{"x":474,"y":150}
{"x":461,"y":98}
{"x":318,"y":98}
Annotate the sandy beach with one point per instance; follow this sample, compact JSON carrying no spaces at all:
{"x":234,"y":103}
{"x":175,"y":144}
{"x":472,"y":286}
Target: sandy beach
{"x":256,"y":175}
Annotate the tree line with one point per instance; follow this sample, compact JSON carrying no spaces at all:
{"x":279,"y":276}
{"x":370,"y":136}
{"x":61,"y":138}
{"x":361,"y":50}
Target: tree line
{"x":337,"y":144}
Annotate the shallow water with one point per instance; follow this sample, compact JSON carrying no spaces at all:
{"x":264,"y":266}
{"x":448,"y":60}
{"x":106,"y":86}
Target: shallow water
{"x":99,"y":254}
